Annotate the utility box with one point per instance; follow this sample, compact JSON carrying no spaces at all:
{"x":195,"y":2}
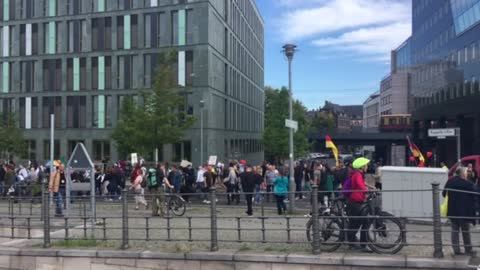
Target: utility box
{"x":408,"y":190}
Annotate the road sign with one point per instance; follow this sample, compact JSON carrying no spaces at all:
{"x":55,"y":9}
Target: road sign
{"x":291,"y":124}
{"x":441,"y":132}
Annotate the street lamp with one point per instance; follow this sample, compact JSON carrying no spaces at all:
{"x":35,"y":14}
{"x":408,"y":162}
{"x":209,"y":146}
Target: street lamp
{"x":202,"y":104}
{"x":289,"y":50}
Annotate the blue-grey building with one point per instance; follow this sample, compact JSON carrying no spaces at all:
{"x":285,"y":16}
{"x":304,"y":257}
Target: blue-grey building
{"x":445,"y":69}
{"x":79,"y":59}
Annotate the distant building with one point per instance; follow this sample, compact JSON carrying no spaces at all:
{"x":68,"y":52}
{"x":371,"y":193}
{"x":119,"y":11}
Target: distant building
{"x":392,"y":99}
{"x":371,"y":112}
{"x":344,"y":117}
{"x":355,"y":112}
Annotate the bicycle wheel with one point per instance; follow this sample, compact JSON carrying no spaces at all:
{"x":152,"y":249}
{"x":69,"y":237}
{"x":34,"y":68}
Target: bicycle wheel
{"x":177,"y":206}
{"x":386,"y":235}
{"x":331,"y":234}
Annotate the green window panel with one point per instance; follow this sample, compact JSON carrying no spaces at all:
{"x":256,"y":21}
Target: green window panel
{"x":51,"y":37}
{"x":101,"y":73}
{"x":6,"y":10}
{"x":6,"y":76}
{"x":52,"y":7}
{"x":76,"y":74}
{"x":126,"y":32}
{"x":101,"y":111}
{"x":101,"y":5}
{"x":181,"y":27}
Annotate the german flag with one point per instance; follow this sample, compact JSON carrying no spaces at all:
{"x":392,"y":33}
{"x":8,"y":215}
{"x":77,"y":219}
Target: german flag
{"x":416,"y":152}
{"x":329,"y":144}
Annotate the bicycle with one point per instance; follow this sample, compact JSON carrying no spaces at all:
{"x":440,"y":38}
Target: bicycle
{"x":381,"y":226}
{"x":175,"y":203}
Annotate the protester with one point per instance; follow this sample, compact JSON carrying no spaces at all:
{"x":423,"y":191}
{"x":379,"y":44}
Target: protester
{"x":175,"y":178}
{"x":157,"y":184}
{"x":280,"y":190}
{"x":298,"y":177}
{"x":378,"y":176}
{"x":443,"y":166}
{"x":307,"y":185}
{"x":248,"y":186}
{"x":270,"y":176}
{"x":258,"y":184}
{"x":139,"y":191}
{"x":209,"y":182}
{"x":56,"y":186}
{"x":461,"y":211}
{"x":356,"y":203}
{"x":471,"y":175}
{"x":231,"y":182}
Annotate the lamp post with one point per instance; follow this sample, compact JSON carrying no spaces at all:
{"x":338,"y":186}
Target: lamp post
{"x":289,"y":50}
{"x":202,"y":104}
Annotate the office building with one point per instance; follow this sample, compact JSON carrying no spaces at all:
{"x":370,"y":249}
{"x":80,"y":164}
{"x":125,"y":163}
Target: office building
{"x":445,"y":68}
{"x":78,"y":59}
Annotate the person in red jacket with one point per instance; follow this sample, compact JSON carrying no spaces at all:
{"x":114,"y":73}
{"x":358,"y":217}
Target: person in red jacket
{"x":356,"y":203}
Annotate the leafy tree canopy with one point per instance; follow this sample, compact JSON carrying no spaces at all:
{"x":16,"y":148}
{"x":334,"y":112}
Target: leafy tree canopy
{"x":12,"y":141}
{"x":276,"y":135}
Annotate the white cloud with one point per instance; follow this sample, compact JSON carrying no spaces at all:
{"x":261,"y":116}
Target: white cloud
{"x":370,"y":41}
{"x":369,"y":28}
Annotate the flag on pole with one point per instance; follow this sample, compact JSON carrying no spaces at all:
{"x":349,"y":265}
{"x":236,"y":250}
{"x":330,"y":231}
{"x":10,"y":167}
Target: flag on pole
{"x":329,"y":144}
{"x":416,"y":152}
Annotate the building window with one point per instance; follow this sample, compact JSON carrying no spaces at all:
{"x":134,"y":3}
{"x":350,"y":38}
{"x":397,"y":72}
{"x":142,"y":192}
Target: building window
{"x":52,"y":75}
{"x":174,"y":29}
{"x":76,"y":112}
{"x":75,"y":31}
{"x":101,"y":112}
{"x":101,"y":34}
{"x":101,"y":150}
{"x":52,"y":105}
{"x":28,"y":112}
{"x":125,"y":72}
{"x":31,"y":151}
{"x":27,"y":76}
{"x":120,"y":32}
{"x":46,"y":149}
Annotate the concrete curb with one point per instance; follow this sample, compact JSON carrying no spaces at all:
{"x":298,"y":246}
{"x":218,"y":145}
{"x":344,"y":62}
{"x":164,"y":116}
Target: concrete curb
{"x":333,"y":259}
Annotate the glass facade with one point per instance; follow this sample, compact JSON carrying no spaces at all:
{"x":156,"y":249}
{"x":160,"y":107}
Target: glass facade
{"x":465,"y":13}
{"x":403,"y":55}
{"x":444,"y":88}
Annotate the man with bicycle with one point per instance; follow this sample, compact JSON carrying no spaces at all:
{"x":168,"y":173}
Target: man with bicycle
{"x":356,"y":203}
{"x":157,"y":181}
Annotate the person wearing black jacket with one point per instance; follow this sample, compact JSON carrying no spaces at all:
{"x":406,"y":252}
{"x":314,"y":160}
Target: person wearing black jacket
{"x":298,"y":176}
{"x":460,"y":209}
{"x":248,"y":180}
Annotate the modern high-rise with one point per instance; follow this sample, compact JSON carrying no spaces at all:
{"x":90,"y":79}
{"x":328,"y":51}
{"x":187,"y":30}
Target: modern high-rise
{"x":445,"y":69}
{"x":78,"y":59}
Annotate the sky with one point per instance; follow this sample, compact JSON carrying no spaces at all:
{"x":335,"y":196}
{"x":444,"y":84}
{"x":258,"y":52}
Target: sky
{"x":343,"y":46}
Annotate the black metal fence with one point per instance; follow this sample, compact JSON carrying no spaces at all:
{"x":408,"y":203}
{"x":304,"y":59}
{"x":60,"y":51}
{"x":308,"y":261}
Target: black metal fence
{"x":214,"y":223}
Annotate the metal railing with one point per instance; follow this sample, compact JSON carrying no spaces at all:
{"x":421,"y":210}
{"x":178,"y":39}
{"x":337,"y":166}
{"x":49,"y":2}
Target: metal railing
{"x":216,"y":224}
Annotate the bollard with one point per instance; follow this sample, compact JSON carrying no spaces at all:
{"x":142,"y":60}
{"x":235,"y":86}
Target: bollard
{"x":437,"y":222}
{"x":46,"y":220}
{"x":316,"y":223}
{"x":213,"y":220}
{"x":124,"y":219}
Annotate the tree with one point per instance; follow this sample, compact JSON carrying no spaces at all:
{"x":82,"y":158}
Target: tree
{"x":276,"y":135}
{"x":160,"y":119}
{"x":12,"y":141}
{"x":323,"y":120}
